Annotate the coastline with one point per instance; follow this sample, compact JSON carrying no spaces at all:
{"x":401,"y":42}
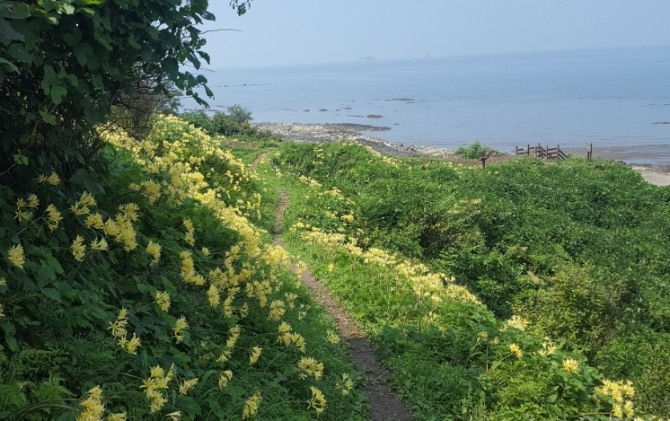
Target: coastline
{"x":638,"y":158}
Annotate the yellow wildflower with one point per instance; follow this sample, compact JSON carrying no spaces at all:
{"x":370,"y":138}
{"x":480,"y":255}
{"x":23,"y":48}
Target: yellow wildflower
{"x":189,"y":236}
{"x":255,"y":355}
{"x":213,"y":296}
{"x":94,"y":220}
{"x":129,"y":211}
{"x":78,"y":248}
{"x":83,"y":205}
{"x":173,"y":416}
{"x":53,"y":217}
{"x":277,"y":310}
{"x":317,"y":402}
{"x":205,"y":251}
{"x":251,"y":406}
{"x":224,"y":378}
{"x":122,"y":416}
{"x":516,"y":322}
{"x":332,"y":337}
{"x":154,"y":250}
{"x":53,"y":179}
{"x":99,"y":244}
{"x":92,"y":406}
{"x":345,"y":385}
{"x":179,"y":327}
{"x":308,"y":366}
{"x":570,"y":365}
{"x":162,"y":300}
{"x":33,"y":201}
{"x":15,"y":256}
{"x":133,"y":344}
{"x":516,"y":350}
{"x":22,"y":216}
{"x":187,"y":385}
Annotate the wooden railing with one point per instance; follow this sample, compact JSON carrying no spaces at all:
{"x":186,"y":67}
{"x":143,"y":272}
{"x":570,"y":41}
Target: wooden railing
{"x":540,"y":152}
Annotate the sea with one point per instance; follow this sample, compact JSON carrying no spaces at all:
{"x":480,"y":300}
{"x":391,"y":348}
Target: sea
{"x":616,"y":99}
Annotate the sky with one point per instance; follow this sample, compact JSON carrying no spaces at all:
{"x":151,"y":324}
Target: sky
{"x":297,"y":32}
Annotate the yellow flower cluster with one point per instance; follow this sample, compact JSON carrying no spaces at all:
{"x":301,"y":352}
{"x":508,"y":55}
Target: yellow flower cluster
{"x":83,"y":205}
{"x":622,"y":392}
{"x":162,"y":300}
{"x":188,"y":273}
{"x":317,"y":402}
{"x":120,"y":333}
{"x":516,"y":322}
{"x":179,"y":327}
{"x":309,"y":181}
{"x":52,"y":179}
{"x":93,"y":408}
{"x":187,"y":385}
{"x":150,"y":189}
{"x":255,"y":355}
{"x":288,"y":337}
{"x":225,"y":378}
{"x":156,"y":385}
{"x":16,"y":256}
{"x":22,"y":213}
{"x":154,"y":250}
{"x":53,"y":217}
{"x":570,"y":365}
{"x":345,"y":384}
{"x":515,"y":349}
{"x":78,"y":248}
{"x":308,"y":366}
{"x":251,"y":406}
{"x":189,"y":235}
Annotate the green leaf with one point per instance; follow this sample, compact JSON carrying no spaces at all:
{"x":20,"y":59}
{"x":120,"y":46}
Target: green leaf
{"x":8,"y":34}
{"x":52,"y":293}
{"x":73,"y":38}
{"x":82,"y":51}
{"x":57,"y":94}
{"x":9,"y":64}
{"x":19,"y":52}
{"x":16,"y":10}
{"x":48,"y":117}
{"x":20,"y":159}
{"x":68,"y":9}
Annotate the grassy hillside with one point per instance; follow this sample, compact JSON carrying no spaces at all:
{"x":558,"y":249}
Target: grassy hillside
{"x":145,"y":284}
{"x":575,"y":250}
{"x":142,"y":288}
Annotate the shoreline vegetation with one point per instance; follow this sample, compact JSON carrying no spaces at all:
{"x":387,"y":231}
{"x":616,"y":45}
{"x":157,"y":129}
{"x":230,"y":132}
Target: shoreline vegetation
{"x":333,"y":132}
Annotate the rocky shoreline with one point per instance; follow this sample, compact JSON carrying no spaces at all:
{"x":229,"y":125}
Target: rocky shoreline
{"x":301,"y":132}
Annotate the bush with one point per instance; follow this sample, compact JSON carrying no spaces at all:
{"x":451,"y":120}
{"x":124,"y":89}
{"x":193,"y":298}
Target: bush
{"x":476,"y":150}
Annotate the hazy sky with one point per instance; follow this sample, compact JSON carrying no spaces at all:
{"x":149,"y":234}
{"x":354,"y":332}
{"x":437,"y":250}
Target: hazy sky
{"x":285,"y":32}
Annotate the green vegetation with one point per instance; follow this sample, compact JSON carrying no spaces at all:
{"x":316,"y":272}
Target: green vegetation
{"x":574,"y":249}
{"x":475,"y":150}
{"x":235,"y":123}
{"x":138,"y":276}
{"x":138,"y":280}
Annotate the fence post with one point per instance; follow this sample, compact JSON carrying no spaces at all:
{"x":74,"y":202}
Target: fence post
{"x":589,"y":151}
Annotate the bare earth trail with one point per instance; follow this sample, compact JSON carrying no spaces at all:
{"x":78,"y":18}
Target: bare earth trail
{"x":384,"y":405}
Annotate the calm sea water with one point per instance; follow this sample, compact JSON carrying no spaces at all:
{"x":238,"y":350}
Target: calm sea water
{"x":618,"y":99}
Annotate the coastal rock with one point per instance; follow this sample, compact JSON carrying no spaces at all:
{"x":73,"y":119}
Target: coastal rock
{"x":300,"y":132}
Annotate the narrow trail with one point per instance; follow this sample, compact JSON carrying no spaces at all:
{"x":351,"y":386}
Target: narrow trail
{"x":384,"y":404}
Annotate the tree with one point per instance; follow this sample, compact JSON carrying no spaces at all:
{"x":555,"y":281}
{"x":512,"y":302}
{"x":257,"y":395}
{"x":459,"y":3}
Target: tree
{"x":64,"y":65}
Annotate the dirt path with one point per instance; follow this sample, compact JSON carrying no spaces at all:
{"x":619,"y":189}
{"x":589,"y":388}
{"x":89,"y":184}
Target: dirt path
{"x":384,"y":405}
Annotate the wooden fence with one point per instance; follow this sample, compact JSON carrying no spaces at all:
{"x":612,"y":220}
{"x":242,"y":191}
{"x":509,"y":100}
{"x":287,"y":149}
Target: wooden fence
{"x":540,"y":152}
